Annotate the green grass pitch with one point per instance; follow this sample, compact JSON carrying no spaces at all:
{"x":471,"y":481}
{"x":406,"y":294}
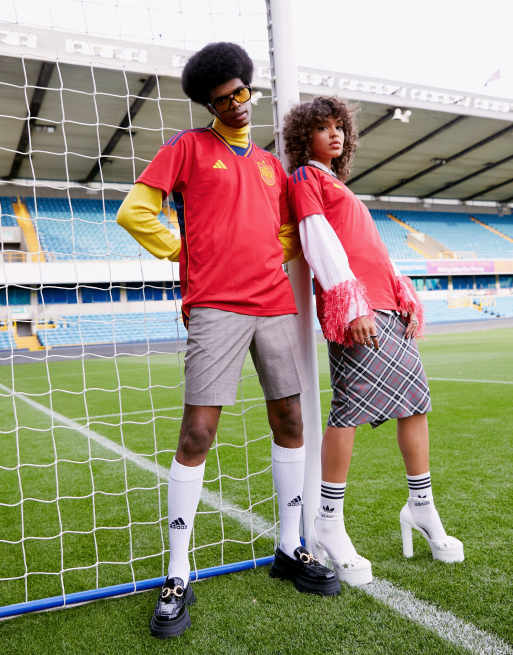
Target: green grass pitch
{"x":97,"y":520}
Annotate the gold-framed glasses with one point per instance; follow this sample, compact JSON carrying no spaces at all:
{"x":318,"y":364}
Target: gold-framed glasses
{"x":240,"y":95}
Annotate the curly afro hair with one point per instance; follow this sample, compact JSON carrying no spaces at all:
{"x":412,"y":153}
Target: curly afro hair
{"x":213,"y":65}
{"x":300,"y":123}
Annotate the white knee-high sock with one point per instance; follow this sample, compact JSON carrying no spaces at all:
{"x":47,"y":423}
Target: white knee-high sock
{"x":288,"y":475}
{"x":422,"y":505}
{"x":183,"y":494}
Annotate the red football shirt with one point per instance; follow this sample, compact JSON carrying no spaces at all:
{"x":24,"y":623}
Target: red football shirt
{"x":231,"y":203}
{"x":312,"y":191}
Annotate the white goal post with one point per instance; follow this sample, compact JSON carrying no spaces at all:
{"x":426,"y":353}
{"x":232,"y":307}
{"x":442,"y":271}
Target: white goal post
{"x":285,"y":91}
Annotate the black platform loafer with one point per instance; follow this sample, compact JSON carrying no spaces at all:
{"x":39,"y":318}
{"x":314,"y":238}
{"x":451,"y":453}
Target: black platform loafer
{"x":171,"y":617}
{"x":307,"y":574}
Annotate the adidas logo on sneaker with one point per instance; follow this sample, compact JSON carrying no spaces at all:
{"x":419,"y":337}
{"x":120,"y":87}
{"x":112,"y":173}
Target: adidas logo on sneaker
{"x":326,"y":508}
{"x":295,"y":502}
{"x":178,"y":524}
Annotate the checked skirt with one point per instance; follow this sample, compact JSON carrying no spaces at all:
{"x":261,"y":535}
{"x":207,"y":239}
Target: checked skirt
{"x":371,"y":386}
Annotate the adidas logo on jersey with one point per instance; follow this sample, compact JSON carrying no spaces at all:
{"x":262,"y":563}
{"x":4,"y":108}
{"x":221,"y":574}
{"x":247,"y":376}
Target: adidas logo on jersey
{"x":220,"y":164}
{"x":295,"y":502}
{"x":178,"y":524}
{"x":327,"y":508}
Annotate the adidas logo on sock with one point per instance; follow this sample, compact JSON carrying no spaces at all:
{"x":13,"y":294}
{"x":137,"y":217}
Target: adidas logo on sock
{"x":326,"y":508}
{"x":421,"y":500}
{"x":178,"y":524}
{"x":295,"y":502}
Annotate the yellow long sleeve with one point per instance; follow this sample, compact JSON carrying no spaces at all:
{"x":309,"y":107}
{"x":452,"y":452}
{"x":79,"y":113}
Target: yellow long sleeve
{"x":138,"y":214}
{"x":290,"y":242}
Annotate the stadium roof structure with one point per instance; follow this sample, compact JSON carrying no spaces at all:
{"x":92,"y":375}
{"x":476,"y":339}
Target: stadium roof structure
{"x":100,"y":109}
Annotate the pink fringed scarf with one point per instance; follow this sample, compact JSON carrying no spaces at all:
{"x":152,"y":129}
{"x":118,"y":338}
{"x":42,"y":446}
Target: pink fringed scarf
{"x":409,"y":302}
{"x":337,"y":303}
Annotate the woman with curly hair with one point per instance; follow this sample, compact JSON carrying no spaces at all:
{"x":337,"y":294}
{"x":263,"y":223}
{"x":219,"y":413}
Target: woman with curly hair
{"x":370,"y":317}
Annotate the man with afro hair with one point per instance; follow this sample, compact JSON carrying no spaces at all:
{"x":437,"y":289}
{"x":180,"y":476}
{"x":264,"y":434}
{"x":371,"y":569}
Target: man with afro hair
{"x":231,"y":199}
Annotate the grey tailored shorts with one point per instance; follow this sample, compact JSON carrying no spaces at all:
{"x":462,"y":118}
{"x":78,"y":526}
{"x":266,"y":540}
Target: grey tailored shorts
{"x":217,"y":345}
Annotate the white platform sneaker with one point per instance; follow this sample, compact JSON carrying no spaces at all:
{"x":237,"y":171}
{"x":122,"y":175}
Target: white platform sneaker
{"x":334,"y":542}
{"x":446,"y":549}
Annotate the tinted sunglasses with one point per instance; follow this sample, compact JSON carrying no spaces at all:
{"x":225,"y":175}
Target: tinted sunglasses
{"x":240,"y":95}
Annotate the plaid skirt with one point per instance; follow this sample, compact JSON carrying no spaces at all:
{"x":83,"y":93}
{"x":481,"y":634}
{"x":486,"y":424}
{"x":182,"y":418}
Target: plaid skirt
{"x":371,"y":386}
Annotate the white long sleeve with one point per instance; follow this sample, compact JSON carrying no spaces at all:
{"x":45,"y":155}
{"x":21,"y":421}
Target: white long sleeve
{"x":324,"y":252}
{"x":328,"y":260}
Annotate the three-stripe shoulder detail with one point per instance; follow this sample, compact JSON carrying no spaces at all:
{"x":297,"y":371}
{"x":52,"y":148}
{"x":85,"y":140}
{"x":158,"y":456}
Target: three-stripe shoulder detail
{"x":299,"y":174}
{"x":175,"y":138}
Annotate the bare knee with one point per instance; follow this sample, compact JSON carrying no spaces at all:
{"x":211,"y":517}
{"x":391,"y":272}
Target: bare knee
{"x":196,"y":436}
{"x":286,"y":421}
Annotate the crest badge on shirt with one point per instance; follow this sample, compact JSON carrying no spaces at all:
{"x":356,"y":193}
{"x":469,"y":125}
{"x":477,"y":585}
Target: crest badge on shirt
{"x":267,"y":172}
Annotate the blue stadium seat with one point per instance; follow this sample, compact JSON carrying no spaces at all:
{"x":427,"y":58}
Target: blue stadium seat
{"x":7,"y":215}
{"x":438,"y":311}
{"x":504,"y":306}
{"x":393,"y":235}
{"x":457,"y":232}
{"x":83,"y":229}
{"x":502,"y":223}
{"x":6,"y":340}
{"x":114,"y":328}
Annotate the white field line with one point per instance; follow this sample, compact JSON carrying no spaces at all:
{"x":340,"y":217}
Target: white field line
{"x":443,"y":623}
{"x":470,"y":380}
{"x":249,"y":520}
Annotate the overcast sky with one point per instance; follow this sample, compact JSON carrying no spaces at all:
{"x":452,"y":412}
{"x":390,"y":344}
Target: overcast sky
{"x":456,"y":44}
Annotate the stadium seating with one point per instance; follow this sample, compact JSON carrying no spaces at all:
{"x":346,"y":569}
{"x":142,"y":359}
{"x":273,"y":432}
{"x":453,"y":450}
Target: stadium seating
{"x":458,"y":233}
{"x":394,"y":236}
{"x":504,"y":306}
{"x":118,"y":328}
{"x":503,"y":223}
{"x":92,"y":234}
{"x":6,"y":340}
{"x":7,"y":216}
{"x":438,"y":311}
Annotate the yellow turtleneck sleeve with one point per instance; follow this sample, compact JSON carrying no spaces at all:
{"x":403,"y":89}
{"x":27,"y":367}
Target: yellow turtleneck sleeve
{"x":290,"y":241}
{"x":139,"y":213}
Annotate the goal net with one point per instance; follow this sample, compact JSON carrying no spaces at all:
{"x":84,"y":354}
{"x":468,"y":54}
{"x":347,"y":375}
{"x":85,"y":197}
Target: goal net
{"x":91,"y":335}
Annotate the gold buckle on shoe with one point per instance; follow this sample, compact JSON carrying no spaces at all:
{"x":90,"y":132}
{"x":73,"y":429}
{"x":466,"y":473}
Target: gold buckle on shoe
{"x":307,"y":558}
{"x":177,"y":591}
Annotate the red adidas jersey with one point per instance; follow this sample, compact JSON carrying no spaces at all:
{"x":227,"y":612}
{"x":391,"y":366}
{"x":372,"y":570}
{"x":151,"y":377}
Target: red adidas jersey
{"x":312,"y":191}
{"x":231,"y":203}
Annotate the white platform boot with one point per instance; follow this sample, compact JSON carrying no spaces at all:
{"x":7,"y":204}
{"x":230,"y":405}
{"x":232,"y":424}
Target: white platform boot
{"x":335,"y":543}
{"x":443,"y":548}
